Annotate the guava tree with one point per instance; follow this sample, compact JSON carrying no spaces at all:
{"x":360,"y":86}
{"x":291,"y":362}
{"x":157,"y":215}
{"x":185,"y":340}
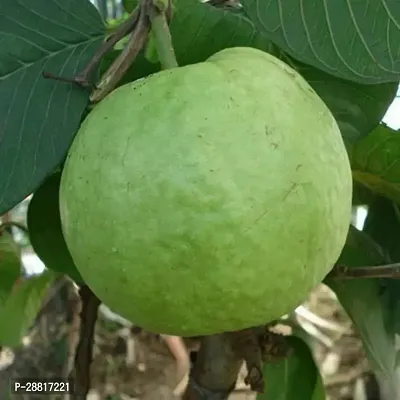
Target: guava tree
{"x":191,"y":161}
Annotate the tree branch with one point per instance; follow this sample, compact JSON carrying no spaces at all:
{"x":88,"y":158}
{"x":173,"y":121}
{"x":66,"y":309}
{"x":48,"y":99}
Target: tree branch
{"x":147,"y":13}
{"x":80,"y":376}
{"x":214,"y":375}
{"x":14,"y":224}
{"x":125,"y":59}
{"x":84,"y":78}
{"x":381,"y":271}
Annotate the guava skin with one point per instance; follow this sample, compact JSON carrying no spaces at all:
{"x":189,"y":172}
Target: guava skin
{"x":207,"y":198}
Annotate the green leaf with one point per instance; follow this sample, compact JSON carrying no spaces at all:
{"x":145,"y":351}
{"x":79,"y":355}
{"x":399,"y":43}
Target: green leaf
{"x":129,"y":5}
{"x":45,"y":231}
{"x":357,"y":108}
{"x":200,"y":30}
{"x":319,"y":391}
{"x":361,"y":194}
{"x":365,"y":304}
{"x":382,"y":224}
{"x":22,"y":307}
{"x":10,"y":265}
{"x":293,"y":378}
{"x":361,"y":250}
{"x":113,"y":23}
{"x":355,"y":40}
{"x":38,"y":116}
{"x":376,"y":162}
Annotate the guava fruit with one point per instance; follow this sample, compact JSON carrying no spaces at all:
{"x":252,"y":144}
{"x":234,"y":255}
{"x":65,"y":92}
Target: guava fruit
{"x":45,"y":233}
{"x":207,"y":198}
{"x":10,"y":265}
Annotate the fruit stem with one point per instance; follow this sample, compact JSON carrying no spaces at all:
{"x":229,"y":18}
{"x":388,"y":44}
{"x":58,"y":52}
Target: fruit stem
{"x":162,"y":34}
{"x":215,"y":371}
{"x":218,"y":362}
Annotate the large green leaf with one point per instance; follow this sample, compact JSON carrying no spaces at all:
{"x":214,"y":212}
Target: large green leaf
{"x":295,"y":377}
{"x":199,"y":30}
{"x":351,"y":39}
{"x":383,"y":225}
{"x":21,"y":308}
{"x":38,"y":116}
{"x":376,"y":162}
{"x":365,"y":304}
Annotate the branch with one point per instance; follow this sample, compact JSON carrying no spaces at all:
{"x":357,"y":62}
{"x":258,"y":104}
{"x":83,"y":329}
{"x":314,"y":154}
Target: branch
{"x":13,"y":224}
{"x":84,"y":78}
{"x":220,"y":358}
{"x":84,"y":352}
{"x":122,"y":63}
{"x":381,"y":271}
{"x":215,"y":372}
{"x":147,"y":14}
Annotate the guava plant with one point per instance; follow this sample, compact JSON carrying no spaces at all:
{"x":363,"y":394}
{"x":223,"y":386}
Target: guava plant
{"x":194,"y":167}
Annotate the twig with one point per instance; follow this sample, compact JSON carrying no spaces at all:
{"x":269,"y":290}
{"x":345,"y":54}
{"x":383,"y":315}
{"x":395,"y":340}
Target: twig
{"x":124,"y":29}
{"x":150,"y":15}
{"x":49,"y":75}
{"x":74,"y":326}
{"x":83,"y":79}
{"x":138,"y":24}
{"x":84,"y":352}
{"x":125,"y":59}
{"x":14,"y":224}
{"x":381,"y":271}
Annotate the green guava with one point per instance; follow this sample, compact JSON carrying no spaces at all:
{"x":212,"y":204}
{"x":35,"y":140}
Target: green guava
{"x":10,"y":265}
{"x":45,"y":231}
{"x":207,"y":198}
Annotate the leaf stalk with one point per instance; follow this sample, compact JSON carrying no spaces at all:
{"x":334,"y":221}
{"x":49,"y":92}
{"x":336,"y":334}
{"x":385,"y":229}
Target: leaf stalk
{"x":162,"y":34}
